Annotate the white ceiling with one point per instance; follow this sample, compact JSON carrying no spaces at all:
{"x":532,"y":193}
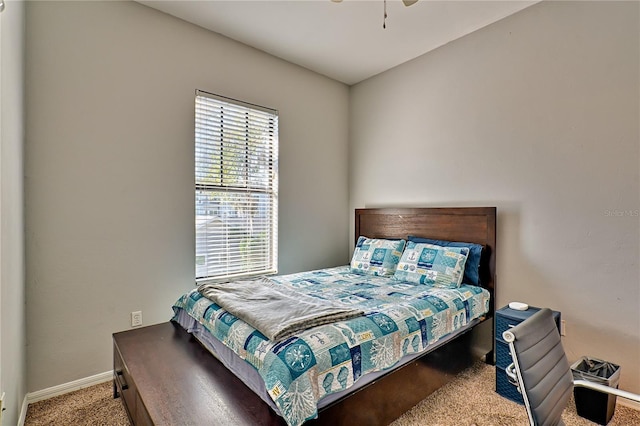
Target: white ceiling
{"x":344,"y":41}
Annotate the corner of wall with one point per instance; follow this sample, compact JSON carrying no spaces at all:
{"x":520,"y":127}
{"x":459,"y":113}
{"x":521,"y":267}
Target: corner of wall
{"x":12,"y":266}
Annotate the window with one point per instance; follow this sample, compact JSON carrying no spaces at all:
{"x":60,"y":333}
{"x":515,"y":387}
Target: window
{"x":236,"y":188}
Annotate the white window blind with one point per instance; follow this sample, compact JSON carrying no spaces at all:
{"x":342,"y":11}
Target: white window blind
{"x":236,"y":188}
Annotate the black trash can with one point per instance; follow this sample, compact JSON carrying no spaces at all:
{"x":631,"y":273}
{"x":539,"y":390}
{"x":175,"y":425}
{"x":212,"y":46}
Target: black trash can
{"x":590,"y":404}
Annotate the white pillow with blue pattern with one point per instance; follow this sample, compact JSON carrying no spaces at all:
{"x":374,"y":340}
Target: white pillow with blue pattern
{"x":431,"y":264}
{"x":376,"y":256}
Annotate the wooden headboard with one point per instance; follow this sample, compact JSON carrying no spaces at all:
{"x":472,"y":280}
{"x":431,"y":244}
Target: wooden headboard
{"x":467,"y":224}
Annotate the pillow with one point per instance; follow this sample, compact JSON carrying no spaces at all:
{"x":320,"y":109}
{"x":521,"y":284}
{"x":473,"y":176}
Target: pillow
{"x":432,"y":264}
{"x":376,"y":256}
{"x":471,"y":268}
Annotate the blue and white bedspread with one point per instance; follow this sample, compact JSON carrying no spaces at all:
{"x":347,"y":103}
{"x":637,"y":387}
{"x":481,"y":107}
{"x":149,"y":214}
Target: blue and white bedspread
{"x":400,"y":318}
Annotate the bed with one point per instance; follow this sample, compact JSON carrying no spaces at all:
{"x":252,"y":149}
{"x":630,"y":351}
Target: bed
{"x":370,"y":368}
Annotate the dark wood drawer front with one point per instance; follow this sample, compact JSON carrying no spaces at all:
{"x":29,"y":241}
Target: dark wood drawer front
{"x":142,"y":416}
{"x":125,"y":387}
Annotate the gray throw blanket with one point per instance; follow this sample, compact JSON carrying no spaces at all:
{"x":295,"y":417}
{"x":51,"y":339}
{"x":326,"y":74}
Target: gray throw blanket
{"x":274,"y":310}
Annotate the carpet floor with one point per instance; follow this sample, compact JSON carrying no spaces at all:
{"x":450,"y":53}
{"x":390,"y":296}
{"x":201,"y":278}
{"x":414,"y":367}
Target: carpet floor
{"x":468,"y":400}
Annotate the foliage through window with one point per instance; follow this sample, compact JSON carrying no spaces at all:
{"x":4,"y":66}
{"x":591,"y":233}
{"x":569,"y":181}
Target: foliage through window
{"x":236,"y":188}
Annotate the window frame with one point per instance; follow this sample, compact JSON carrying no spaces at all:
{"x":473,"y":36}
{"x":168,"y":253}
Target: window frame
{"x":241,"y":183}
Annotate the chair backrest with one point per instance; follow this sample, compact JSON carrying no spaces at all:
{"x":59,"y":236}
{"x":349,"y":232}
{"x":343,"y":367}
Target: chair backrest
{"x":542,"y":367}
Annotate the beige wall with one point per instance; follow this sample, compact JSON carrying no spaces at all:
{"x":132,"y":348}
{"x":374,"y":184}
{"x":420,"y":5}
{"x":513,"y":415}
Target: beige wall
{"x":12,"y":292}
{"x":538,"y":115}
{"x":109,"y":170}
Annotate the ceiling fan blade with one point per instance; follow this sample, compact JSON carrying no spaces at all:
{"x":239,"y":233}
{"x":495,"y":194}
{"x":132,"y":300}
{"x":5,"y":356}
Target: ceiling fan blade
{"x":409,"y":2}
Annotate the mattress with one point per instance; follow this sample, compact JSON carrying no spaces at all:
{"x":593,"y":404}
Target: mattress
{"x":402,"y":320}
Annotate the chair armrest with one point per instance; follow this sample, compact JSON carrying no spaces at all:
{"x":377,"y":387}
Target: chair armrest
{"x":606,"y":389}
{"x":511,"y":374}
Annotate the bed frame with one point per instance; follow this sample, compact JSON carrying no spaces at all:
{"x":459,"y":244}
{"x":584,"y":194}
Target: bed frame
{"x":388,"y":398}
{"x":468,"y":224}
{"x":169,"y":398}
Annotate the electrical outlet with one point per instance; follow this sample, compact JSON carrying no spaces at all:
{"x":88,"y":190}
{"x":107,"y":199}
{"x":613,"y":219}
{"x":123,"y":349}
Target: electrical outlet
{"x":136,"y":319}
{"x":563,"y":328}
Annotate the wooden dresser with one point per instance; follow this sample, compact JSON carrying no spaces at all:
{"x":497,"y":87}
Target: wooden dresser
{"x":165,"y":377}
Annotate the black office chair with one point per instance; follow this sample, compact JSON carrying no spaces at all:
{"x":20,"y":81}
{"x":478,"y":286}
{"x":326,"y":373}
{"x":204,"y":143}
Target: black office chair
{"x":541,"y":371}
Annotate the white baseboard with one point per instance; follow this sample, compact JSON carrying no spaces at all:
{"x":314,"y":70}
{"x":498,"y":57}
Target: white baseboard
{"x":47,"y":393}
{"x":68,"y":387}
{"x":628,"y":403}
{"x":23,"y":412}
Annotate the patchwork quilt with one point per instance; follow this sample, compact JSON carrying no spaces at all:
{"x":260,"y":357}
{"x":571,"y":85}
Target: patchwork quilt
{"x":401,"y":318}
